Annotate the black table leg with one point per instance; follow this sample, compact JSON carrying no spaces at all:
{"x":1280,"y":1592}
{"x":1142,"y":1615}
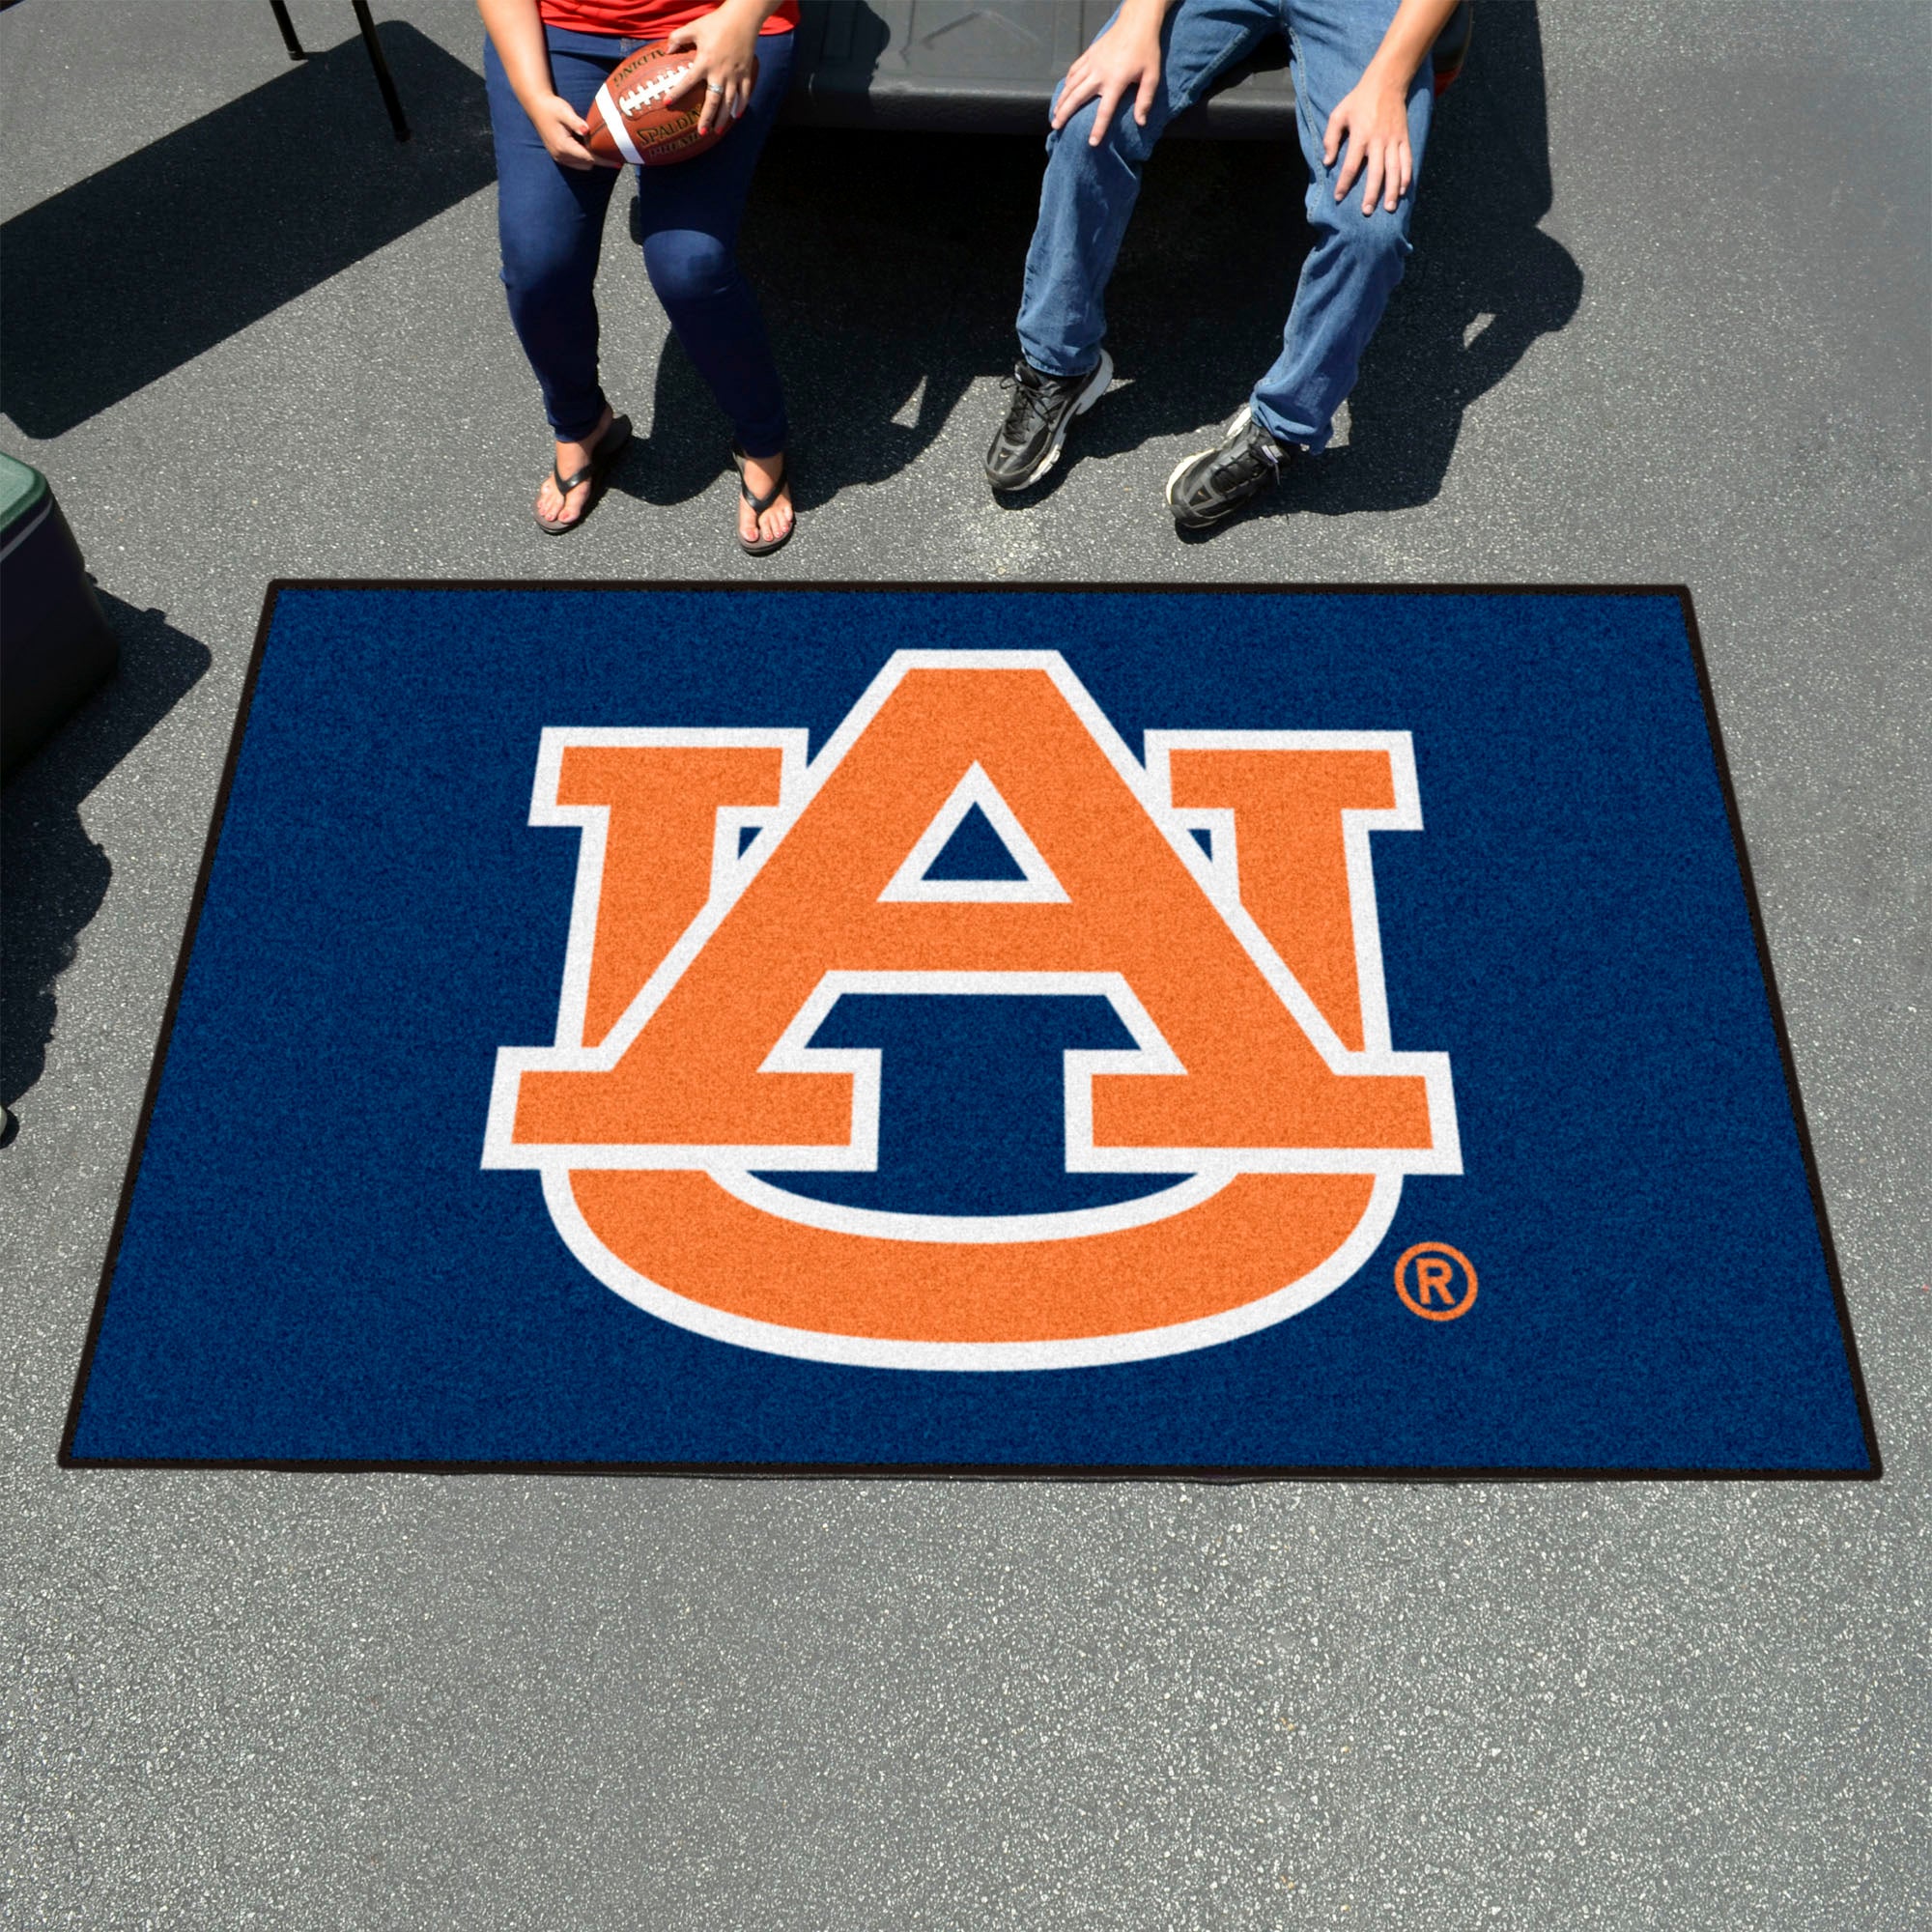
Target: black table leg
{"x":288,"y":27}
{"x":391,"y":99}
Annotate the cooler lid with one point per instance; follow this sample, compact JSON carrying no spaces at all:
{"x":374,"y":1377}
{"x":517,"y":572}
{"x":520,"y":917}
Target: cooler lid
{"x":21,"y":491}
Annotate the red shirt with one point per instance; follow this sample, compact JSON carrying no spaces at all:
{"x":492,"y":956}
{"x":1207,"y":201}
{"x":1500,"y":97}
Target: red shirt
{"x":645,"y":19}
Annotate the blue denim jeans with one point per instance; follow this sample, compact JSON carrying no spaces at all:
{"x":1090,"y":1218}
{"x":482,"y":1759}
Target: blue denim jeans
{"x":1356,"y":260}
{"x":551,"y":222}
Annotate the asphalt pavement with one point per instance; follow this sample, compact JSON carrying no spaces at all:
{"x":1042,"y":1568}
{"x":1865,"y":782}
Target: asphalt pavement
{"x":1670,"y":321}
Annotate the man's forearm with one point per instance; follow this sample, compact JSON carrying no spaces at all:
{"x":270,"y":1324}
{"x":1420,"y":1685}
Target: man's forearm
{"x":1144,"y":17}
{"x":1410,"y":35}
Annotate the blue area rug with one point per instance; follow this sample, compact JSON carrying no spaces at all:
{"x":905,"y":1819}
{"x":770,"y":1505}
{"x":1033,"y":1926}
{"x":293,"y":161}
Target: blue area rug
{"x":1037,"y":1031}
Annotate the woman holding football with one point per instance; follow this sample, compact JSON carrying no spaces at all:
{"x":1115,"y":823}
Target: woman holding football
{"x":543,"y":62}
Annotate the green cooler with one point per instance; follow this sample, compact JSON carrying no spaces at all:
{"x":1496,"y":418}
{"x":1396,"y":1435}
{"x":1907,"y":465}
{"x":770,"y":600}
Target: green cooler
{"x":55,"y":645}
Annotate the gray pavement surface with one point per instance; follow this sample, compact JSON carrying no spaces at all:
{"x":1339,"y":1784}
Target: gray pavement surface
{"x":1669,"y":322}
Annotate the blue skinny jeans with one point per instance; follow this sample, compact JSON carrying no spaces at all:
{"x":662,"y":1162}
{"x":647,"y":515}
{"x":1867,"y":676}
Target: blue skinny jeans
{"x":551,"y":224}
{"x":1354,"y":265}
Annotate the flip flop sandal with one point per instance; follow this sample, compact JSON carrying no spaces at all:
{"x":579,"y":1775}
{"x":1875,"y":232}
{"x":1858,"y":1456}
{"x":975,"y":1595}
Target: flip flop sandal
{"x":614,"y":440}
{"x":763,"y":546}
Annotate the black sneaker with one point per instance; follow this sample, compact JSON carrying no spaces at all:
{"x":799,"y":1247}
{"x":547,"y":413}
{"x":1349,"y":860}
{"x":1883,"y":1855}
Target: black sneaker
{"x":1207,"y":485}
{"x":1038,"y":419}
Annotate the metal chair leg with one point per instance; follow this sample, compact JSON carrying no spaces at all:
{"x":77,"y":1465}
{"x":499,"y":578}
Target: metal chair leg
{"x":288,"y":27}
{"x":391,"y":99}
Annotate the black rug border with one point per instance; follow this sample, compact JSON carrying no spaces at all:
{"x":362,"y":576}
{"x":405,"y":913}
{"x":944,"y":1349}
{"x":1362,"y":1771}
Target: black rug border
{"x":982,"y":1471}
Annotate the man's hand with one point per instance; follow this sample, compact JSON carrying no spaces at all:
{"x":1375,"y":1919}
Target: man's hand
{"x":723,"y":42}
{"x":1372,"y":118}
{"x":1125,"y":59}
{"x":561,"y":128}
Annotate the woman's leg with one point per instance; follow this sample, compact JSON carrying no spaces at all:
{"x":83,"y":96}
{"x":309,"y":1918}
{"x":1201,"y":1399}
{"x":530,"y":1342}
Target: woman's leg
{"x":690,"y":213}
{"x":550,"y":220}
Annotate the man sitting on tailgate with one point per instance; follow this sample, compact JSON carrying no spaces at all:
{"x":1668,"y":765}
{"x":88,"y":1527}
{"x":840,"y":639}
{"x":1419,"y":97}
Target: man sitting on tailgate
{"x":1363,"y":93}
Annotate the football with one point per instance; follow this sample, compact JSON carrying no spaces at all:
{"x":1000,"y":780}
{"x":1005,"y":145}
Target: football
{"x":630,"y":121}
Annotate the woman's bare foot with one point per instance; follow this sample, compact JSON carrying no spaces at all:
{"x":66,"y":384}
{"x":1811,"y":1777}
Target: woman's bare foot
{"x":552,"y":506}
{"x":761,"y":474}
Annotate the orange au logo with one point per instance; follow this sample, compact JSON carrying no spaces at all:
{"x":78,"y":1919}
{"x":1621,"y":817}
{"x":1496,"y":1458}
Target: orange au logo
{"x":729,"y":893}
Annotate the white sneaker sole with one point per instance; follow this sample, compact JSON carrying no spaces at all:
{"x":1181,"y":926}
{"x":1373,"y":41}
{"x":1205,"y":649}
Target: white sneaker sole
{"x":1096,"y":388}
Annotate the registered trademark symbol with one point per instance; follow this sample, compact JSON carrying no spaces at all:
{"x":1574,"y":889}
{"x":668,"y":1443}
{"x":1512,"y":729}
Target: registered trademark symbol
{"x":1436,"y":1281}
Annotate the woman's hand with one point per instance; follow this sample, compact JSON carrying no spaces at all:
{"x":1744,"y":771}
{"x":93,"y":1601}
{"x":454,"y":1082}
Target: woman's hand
{"x":561,"y":128}
{"x":1125,"y":59}
{"x":725,"y":42}
{"x":1372,"y":118}
{"x":516,"y":30}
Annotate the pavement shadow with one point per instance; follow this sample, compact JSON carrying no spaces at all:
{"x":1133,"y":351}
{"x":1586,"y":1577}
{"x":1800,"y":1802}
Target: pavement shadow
{"x":890,"y":269}
{"x":887,"y":264}
{"x":56,"y":877}
{"x":125,"y":276}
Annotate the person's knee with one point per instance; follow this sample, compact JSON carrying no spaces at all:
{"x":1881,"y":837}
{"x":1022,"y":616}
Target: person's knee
{"x":1373,"y":245}
{"x":540,"y":267}
{"x":686,"y":265}
{"x":1073,"y":146}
